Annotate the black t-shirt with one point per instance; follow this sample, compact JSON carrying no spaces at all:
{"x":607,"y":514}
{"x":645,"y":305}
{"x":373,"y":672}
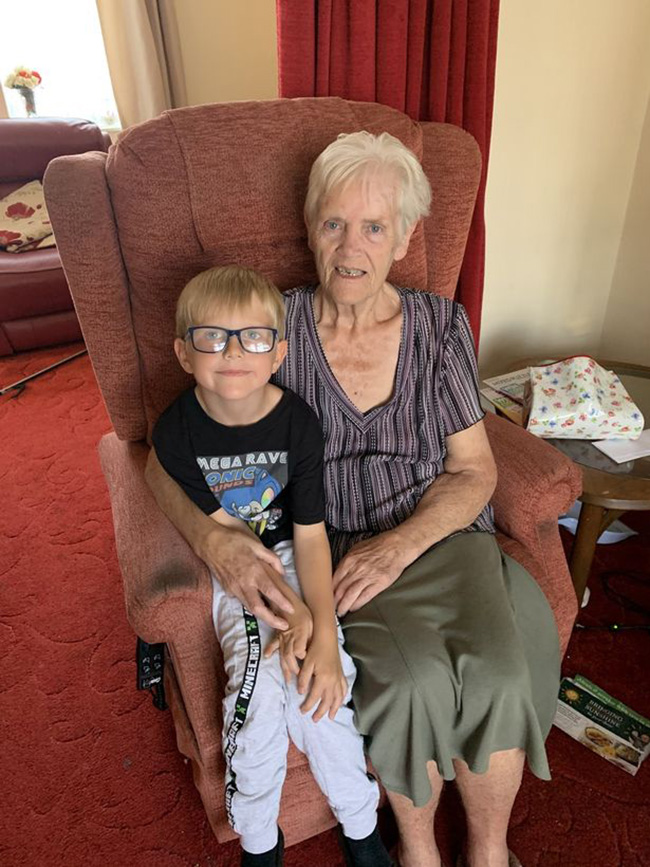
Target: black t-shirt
{"x":269,"y":474}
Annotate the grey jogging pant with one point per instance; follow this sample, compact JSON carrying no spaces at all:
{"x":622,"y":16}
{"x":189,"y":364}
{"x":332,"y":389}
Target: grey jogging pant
{"x":261,"y":712}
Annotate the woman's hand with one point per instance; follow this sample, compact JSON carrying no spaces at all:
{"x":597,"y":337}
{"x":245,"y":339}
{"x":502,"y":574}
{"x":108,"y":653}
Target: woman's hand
{"x":293,"y":642}
{"x":249,"y":571}
{"x":322,"y":669}
{"x":368,"y":568}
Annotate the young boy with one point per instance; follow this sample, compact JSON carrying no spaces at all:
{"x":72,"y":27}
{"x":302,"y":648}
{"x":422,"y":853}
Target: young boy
{"x":250,"y":455}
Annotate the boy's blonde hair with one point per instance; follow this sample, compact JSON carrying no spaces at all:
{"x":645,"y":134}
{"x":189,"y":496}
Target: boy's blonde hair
{"x":230,"y":287}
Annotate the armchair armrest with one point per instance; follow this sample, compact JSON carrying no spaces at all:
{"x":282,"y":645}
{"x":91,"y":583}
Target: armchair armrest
{"x":158,"y":567}
{"x":536,"y":485}
{"x":536,"y":482}
{"x":168,"y":596}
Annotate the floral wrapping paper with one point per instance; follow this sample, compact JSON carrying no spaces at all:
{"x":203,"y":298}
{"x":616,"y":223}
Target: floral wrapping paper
{"x":576,"y":398}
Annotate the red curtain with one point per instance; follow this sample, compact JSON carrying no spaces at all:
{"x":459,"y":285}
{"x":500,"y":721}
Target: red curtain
{"x":432,"y":59}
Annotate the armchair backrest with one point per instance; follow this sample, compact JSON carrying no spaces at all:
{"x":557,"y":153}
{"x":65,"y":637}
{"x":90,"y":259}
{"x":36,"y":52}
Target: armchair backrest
{"x":218,"y":184}
{"x":28,"y":144}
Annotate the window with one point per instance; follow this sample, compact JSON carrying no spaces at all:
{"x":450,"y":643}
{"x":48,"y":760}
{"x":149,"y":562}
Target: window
{"x":63,"y":42}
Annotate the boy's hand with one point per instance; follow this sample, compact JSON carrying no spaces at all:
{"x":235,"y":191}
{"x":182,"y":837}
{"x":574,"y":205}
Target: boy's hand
{"x":322,"y":669}
{"x":292,"y":642}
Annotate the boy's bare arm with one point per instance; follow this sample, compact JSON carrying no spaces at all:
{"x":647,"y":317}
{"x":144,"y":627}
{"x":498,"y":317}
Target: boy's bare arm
{"x":321,"y":674}
{"x":314,"y":568}
{"x":243,"y":566}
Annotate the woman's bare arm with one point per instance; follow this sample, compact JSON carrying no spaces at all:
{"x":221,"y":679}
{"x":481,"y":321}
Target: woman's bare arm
{"x":457,"y":497}
{"x":450,"y":504}
{"x":241,"y":563}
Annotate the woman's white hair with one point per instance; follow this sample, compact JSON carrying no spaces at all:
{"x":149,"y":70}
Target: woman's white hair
{"x":353,"y":155}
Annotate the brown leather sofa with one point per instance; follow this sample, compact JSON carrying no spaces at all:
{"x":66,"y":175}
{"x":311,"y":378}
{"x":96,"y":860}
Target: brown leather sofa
{"x":36,"y":308}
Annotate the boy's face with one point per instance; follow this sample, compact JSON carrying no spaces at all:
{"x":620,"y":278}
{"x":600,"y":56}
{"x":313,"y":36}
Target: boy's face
{"x":232,"y":374}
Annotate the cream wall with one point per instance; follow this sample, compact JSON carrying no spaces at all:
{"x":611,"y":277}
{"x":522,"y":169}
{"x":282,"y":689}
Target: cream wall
{"x":572,"y":87}
{"x":229,"y":49}
{"x":626,"y":330}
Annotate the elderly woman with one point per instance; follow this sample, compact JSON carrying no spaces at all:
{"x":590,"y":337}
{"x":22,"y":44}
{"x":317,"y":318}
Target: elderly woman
{"x":456,"y":646}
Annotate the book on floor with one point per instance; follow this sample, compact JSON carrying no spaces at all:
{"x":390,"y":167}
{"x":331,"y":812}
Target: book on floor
{"x":602,"y":723}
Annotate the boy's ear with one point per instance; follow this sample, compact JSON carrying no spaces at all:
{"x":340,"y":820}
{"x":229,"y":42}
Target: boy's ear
{"x":180,"y":349}
{"x":280,"y":354}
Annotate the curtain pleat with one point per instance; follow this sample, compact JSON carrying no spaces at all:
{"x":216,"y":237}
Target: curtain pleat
{"x":432,"y":59}
{"x":417,"y":68}
{"x":324,"y":44}
{"x":392,"y":42}
{"x":143,"y":53}
{"x":297,"y":37}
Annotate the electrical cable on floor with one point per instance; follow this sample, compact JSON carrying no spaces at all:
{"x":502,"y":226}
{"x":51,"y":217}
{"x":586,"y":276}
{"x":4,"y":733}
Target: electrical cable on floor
{"x":16,"y":388}
{"x":632,"y":577}
{"x":13,"y":390}
{"x":626,"y":602}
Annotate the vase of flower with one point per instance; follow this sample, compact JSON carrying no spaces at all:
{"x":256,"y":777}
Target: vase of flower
{"x":25,"y":80}
{"x":30,"y":100}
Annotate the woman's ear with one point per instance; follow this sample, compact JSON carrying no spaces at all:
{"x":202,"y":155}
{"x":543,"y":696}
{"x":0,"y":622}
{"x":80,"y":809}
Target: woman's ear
{"x":403,"y":243}
{"x":180,"y":349}
{"x":280,"y":354}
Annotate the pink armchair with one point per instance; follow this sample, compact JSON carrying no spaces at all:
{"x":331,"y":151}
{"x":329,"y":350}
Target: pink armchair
{"x":225,"y":183}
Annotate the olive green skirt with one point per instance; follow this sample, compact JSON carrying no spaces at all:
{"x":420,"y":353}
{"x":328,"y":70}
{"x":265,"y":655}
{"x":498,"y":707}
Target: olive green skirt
{"x":458,"y":659}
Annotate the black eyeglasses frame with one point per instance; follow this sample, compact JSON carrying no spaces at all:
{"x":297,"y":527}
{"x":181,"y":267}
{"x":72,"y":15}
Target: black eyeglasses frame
{"x":232,"y":332}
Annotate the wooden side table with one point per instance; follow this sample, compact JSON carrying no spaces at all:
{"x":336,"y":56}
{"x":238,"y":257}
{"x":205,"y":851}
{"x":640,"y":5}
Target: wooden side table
{"x":608,"y":489}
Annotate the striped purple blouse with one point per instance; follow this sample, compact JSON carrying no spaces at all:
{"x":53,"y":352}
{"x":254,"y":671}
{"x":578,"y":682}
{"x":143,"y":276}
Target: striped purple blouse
{"x":379,"y":463}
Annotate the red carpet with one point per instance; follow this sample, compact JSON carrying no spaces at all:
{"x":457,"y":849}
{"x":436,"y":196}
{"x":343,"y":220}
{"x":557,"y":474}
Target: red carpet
{"x":90,"y":772}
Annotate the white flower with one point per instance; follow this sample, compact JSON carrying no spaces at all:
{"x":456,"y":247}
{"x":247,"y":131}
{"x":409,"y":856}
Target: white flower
{"x":23,"y":77}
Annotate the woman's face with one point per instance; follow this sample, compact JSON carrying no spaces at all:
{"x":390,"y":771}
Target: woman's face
{"x":356,"y":236}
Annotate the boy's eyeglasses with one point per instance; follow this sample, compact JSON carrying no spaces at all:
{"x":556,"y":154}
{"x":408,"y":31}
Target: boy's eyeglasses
{"x":212,"y":338}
